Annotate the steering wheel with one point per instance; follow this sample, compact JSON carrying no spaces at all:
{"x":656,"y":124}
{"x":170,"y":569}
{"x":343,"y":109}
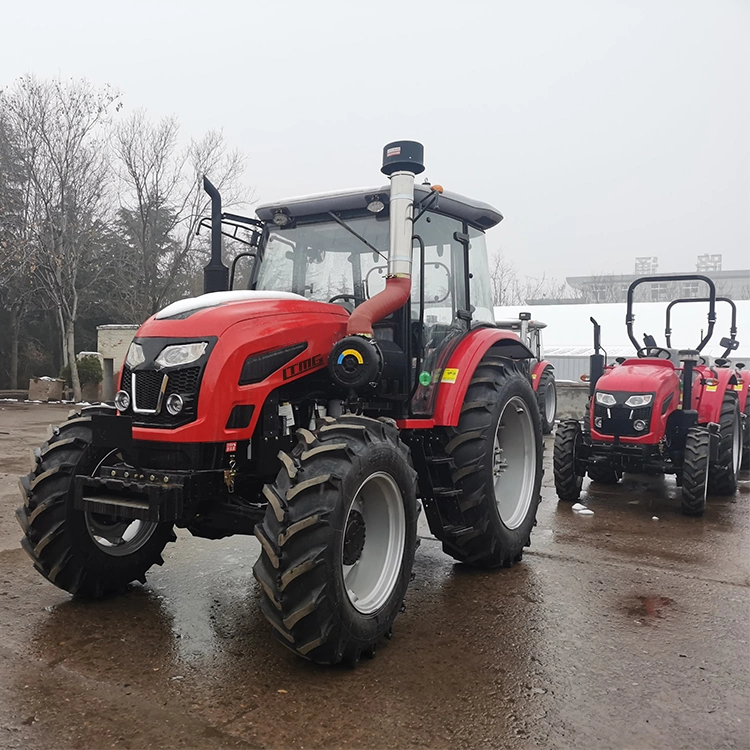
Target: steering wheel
{"x":654,"y":351}
{"x":349,"y":307}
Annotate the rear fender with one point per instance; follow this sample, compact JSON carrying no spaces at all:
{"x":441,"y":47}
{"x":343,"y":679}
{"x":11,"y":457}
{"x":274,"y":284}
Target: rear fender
{"x":538,"y":371}
{"x":709,"y":396}
{"x":464,"y":361}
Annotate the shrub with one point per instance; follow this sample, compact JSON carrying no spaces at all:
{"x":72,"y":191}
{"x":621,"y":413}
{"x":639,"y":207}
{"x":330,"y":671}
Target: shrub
{"x":89,"y":371}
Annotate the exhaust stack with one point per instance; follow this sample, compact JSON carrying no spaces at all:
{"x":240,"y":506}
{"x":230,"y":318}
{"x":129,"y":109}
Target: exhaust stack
{"x":215,"y":273}
{"x":402,"y":161}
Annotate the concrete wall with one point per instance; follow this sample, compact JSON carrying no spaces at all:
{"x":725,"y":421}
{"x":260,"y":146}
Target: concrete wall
{"x":112,"y":343}
{"x":571,"y":400}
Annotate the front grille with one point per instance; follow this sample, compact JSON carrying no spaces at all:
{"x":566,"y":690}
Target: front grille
{"x":148,"y":383}
{"x":618,"y":420}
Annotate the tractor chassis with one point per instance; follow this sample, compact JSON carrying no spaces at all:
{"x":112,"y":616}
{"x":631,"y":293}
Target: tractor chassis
{"x":652,"y":459}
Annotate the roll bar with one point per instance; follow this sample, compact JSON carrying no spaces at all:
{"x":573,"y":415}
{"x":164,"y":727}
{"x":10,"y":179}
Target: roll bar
{"x":732,"y":329}
{"x":629,"y":317}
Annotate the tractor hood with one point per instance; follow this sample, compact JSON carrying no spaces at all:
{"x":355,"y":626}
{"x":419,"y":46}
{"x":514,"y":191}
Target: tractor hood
{"x":638,"y":376}
{"x":212,"y":314}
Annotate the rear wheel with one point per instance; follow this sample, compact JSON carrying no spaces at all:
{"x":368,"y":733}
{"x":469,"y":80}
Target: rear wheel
{"x":87,"y":554}
{"x":497,"y":451}
{"x":724,"y":473}
{"x":547,"y":400}
{"x":338,"y":539}
{"x":746,"y":437}
{"x":695,"y":471}
{"x":568,"y":441}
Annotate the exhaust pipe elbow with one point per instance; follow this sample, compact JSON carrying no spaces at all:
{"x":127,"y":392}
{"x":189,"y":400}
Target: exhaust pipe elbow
{"x":402,"y":161}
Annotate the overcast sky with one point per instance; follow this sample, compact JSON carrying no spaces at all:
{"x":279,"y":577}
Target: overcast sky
{"x":601,"y":129}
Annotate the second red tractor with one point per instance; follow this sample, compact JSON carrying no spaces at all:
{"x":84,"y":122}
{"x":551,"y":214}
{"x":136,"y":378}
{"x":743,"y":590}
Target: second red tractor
{"x":664,"y":411}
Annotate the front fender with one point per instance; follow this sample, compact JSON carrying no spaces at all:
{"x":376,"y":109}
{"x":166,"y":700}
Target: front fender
{"x":537,"y":371}
{"x":463,"y":362}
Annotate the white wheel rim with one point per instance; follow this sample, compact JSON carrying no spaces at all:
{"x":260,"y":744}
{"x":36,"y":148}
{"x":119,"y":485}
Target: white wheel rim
{"x":116,"y":536}
{"x":550,"y":403}
{"x":371,"y":579}
{"x":737,"y":444}
{"x":514,"y":462}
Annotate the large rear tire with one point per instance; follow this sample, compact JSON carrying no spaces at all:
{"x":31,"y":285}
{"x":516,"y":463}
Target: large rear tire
{"x":497,"y":450}
{"x":568,"y":439}
{"x":86,"y":554}
{"x":695,"y":471}
{"x":725,"y":472}
{"x":547,"y":399}
{"x":338,"y":539}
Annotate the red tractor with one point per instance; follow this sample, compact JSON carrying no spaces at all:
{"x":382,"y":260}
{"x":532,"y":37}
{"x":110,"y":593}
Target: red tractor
{"x":315,"y":409}
{"x":662,"y":412}
{"x":541,"y":373}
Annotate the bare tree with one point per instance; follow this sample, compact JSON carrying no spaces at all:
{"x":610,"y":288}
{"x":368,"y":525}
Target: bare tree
{"x":16,"y":266}
{"x":162,"y":199}
{"x":62,"y":139}
{"x":504,"y":280}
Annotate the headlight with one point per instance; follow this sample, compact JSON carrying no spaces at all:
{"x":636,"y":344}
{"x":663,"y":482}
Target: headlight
{"x":181,"y":354}
{"x":605,"y":399}
{"x":174,"y":404}
{"x":639,"y":400}
{"x":135,"y":356}
{"x":122,"y":400}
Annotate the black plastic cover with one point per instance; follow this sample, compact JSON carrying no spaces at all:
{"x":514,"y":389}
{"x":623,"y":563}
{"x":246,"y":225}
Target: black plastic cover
{"x":258,"y":367}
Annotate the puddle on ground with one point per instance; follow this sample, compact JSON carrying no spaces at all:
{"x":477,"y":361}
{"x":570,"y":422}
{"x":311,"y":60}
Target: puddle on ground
{"x":647,"y":608}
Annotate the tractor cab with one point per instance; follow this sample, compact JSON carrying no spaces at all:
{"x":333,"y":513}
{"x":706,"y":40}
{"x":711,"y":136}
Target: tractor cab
{"x":335,"y":248}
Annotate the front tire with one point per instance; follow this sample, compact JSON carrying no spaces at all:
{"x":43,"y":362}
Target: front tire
{"x":568,"y":440}
{"x":86,"y":554}
{"x":497,"y":451}
{"x":695,"y":471}
{"x":338,"y":539}
{"x":547,"y":399}
{"x":724,"y":473}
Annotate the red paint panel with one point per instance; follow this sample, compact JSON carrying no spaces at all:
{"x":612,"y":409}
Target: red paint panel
{"x":465,"y":359}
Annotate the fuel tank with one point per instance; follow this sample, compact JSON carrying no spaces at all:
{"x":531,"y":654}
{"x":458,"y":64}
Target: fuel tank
{"x":255,"y":342}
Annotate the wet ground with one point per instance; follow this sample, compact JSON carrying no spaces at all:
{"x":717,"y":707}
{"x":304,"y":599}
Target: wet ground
{"x":616,"y":631}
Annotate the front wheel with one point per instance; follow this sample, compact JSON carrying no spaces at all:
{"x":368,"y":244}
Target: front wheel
{"x":568,"y":442}
{"x":695,"y":471}
{"x":338,"y":539}
{"x":547,"y":399}
{"x":86,"y":554}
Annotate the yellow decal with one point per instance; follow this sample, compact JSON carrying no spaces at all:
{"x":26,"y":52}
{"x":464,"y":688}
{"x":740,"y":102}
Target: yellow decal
{"x":351,"y":353}
{"x":449,"y":375}
{"x":738,"y":387}
{"x":710,"y":387}
{"x":533,"y":376}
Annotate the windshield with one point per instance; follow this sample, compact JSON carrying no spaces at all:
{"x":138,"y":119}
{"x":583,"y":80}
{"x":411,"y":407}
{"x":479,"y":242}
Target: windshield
{"x":323,"y":260}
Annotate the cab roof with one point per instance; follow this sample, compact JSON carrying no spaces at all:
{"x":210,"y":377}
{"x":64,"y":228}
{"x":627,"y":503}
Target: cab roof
{"x":477,"y":213}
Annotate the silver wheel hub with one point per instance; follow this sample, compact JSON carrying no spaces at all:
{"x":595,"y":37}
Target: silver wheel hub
{"x":514,"y":459}
{"x":737,"y":445}
{"x":550,"y":403}
{"x":118,"y":536}
{"x":374,"y":543}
